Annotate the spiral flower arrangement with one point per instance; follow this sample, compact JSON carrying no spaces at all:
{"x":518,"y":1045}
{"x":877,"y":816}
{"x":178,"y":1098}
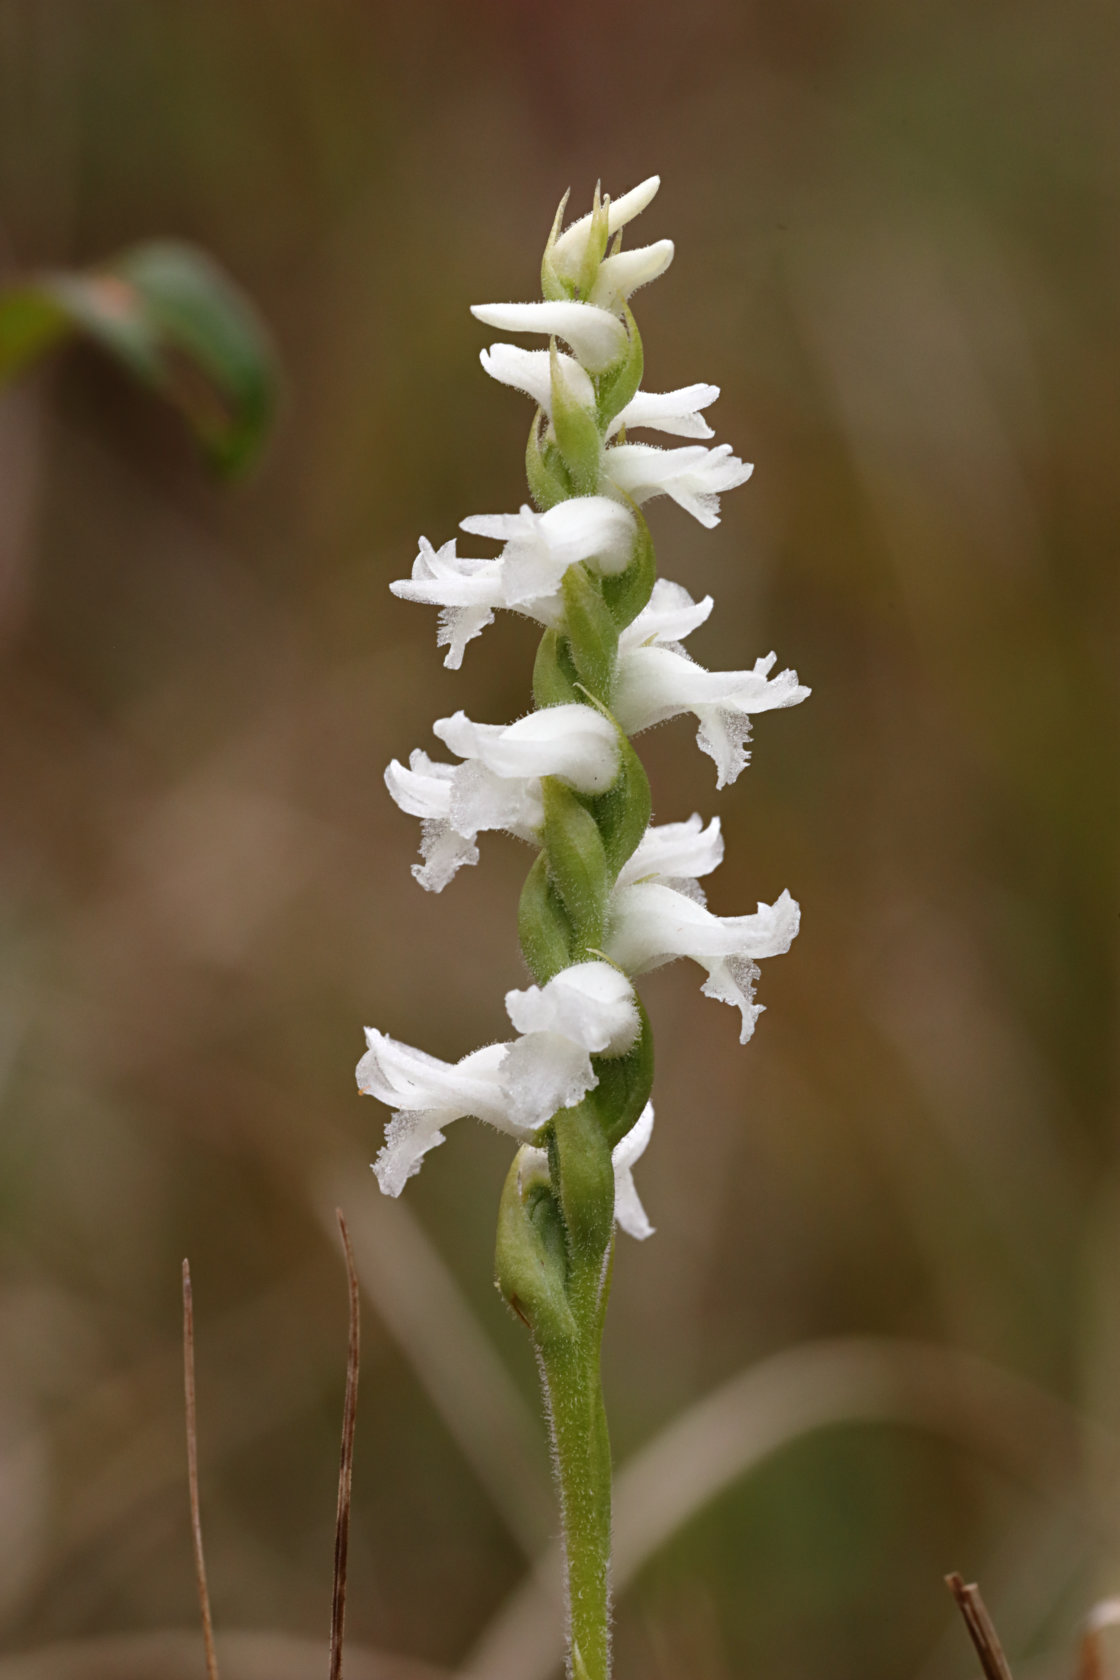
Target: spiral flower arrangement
{"x":610,"y":895}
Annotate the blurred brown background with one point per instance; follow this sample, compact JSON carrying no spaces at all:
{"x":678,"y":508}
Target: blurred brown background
{"x":897,"y":254}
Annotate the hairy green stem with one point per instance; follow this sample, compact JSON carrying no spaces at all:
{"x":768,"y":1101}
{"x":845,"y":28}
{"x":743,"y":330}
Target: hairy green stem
{"x":570,"y":1375}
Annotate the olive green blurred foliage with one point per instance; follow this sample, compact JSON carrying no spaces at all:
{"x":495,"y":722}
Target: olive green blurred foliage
{"x":896,"y":252}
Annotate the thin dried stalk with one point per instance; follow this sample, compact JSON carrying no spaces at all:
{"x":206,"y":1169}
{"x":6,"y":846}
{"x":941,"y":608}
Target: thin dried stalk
{"x":192,"y":1475}
{"x":981,"y":1629}
{"x":346,"y":1461}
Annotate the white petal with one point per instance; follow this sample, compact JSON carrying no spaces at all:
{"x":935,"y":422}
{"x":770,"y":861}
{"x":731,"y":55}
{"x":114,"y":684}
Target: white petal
{"x":593,"y":528}
{"x":693,"y":476}
{"x":668,"y":411}
{"x":455,"y":804}
{"x":424,"y":789}
{"x":628,"y":1210}
{"x":621,"y":275}
{"x":403,"y":1077}
{"x":531,"y":371}
{"x":482,"y":800}
{"x":674,"y":852}
{"x":576,"y":743}
{"x":669,"y":615}
{"x":651,"y":924}
{"x":543,"y":1073}
{"x":655,"y":683}
{"x":539,"y":547}
{"x":568,"y":252}
{"x":597,"y":337}
{"x":591,"y":1003}
{"x":466,"y":590}
{"x":427,"y":1094}
{"x":442,"y":577}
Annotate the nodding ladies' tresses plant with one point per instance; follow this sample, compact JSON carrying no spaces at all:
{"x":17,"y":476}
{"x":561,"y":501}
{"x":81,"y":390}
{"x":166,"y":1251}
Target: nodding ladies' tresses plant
{"x":610,"y":894}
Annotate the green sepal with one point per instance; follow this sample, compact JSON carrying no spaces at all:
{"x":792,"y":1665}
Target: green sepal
{"x":577,"y":862}
{"x":625,"y":1083}
{"x":622,"y":813}
{"x":627,"y":592}
{"x":531,"y":1254}
{"x":619,"y":383}
{"x":592,"y":632}
{"x":596,"y":249}
{"x":554,"y":675}
{"x":543,"y":925}
{"x":576,"y":432}
{"x":553,"y":288}
{"x":583,"y":1183}
{"x":544,"y":469}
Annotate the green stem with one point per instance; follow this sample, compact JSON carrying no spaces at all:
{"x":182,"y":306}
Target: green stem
{"x":570,"y":1374}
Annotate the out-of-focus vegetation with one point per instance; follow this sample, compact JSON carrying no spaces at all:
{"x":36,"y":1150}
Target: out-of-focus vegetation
{"x":897,"y":254}
{"x":172,"y":320}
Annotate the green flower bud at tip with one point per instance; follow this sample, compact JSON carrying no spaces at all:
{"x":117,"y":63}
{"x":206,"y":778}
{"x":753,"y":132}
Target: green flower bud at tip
{"x":553,"y":288}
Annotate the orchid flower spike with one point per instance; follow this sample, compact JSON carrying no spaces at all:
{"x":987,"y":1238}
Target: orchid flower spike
{"x":610,"y":894}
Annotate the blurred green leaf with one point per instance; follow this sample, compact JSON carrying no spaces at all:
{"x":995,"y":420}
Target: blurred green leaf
{"x":180,"y":326}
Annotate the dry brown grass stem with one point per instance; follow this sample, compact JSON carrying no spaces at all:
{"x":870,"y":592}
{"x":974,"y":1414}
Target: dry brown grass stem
{"x":981,"y":1628}
{"x":420,"y":1303}
{"x":346,"y":1460}
{"x":192,"y":1475}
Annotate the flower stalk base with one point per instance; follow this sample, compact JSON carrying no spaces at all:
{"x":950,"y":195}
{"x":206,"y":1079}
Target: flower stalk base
{"x":555,"y":1273}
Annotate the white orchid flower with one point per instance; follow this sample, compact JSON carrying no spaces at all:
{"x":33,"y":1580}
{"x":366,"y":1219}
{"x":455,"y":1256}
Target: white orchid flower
{"x":571,"y":247}
{"x":588,"y":1009}
{"x":651,"y":924}
{"x":657,"y":680}
{"x":455,"y":803}
{"x":527,"y":576}
{"x":693,"y":476}
{"x":584,"y":1010}
{"x":467,"y":591}
{"x":539,"y":547}
{"x":596,"y":335}
{"x":628,"y":1209}
{"x":498,"y":785}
